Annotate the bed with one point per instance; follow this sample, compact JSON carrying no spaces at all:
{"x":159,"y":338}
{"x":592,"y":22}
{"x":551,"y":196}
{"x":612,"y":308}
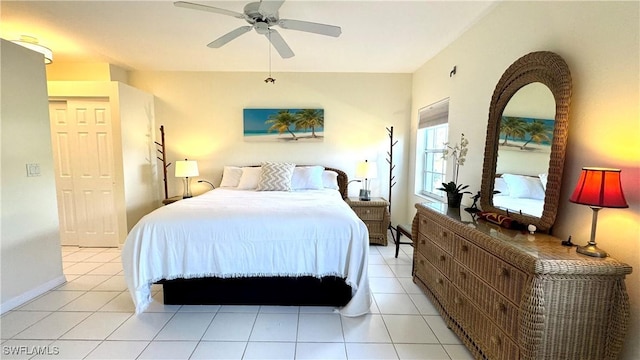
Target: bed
{"x":520,"y":193}
{"x":241,"y":243}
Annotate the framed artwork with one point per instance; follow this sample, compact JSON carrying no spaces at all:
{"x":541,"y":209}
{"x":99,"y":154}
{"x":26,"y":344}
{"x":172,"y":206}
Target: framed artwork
{"x":284,"y":125}
{"x":526,"y":134}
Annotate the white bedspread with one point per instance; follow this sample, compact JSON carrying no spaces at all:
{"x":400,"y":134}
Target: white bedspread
{"x":235,"y":233}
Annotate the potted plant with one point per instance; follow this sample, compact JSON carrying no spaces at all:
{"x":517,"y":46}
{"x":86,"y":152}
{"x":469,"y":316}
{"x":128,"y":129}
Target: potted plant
{"x":455,"y":191}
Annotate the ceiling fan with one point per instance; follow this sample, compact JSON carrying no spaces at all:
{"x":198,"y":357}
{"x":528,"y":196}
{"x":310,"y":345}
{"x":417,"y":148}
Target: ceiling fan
{"x":263,"y":16}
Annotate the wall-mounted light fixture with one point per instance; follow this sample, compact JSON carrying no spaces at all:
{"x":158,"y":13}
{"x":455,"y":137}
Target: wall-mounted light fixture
{"x":32,"y":43}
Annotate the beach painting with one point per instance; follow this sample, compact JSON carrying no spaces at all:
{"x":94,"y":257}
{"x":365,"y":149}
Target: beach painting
{"x":526,"y":134}
{"x":284,"y":125}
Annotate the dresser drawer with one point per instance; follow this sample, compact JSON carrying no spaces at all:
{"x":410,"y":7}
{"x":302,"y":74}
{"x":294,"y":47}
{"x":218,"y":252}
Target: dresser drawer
{"x":434,"y":279}
{"x":495,"y":306}
{"x":503,"y":277}
{"x":435,"y":255}
{"x":438,"y":234}
{"x":370,"y":212}
{"x":493,"y":342}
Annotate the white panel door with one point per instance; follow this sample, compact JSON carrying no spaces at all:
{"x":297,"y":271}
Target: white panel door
{"x":83,"y":150}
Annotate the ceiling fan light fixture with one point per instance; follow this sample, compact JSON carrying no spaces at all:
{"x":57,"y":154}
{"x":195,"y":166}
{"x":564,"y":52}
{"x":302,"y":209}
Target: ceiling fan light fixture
{"x":31,"y":43}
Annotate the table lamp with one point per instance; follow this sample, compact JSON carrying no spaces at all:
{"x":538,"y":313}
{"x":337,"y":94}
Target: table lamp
{"x":366,"y":171}
{"x":598,"y":188}
{"x":186,"y":169}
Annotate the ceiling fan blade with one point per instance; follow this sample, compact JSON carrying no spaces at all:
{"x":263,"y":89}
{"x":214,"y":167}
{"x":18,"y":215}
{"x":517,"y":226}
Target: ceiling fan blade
{"x":229,"y":36}
{"x":322,"y":29}
{"x":279,"y":44}
{"x":269,"y":8}
{"x":194,"y":6}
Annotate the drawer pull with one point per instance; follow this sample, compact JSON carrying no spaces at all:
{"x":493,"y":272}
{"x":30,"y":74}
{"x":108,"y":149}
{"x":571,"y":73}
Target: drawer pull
{"x":501,"y":307}
{"x":423,"y":242}
{"x":421,"y":262}
{"x":443,"y":234}
{"x":502,"y":271}
{"x":465,"y":248}
{"x":495,"y":340}
{"x":463,"y":275}
{"x":439,"y":281}
{"x":442,"y":258}
{"x":367,"y":212}
{"x":457,"y":301}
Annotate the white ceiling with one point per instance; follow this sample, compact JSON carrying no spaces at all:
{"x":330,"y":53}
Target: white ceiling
{"x":377,"y":36}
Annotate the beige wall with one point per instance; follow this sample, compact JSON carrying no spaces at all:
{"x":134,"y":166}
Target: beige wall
{"x":202,"y":116}
{"x":600,"y":42}
{"x":30,"y":258}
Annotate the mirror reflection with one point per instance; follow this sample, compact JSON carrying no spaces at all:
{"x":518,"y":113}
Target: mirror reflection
{"x":524,"y":149}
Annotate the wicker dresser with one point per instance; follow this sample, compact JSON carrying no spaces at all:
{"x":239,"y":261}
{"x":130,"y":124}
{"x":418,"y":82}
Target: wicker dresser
{"x":375,"y":214}
{"x":510,"y":295}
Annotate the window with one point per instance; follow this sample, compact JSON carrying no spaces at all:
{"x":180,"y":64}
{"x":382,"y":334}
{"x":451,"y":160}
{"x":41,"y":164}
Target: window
{"x":433,"y":132}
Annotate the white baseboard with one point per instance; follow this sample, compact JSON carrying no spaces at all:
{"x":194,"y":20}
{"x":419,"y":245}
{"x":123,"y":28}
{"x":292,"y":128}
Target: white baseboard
{"x":31,"y":294}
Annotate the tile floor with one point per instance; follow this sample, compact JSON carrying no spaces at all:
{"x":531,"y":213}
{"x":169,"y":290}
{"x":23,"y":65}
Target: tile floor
{"x":91,"y":317}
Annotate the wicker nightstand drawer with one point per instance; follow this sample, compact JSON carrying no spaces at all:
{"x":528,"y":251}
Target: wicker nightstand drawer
{"x":375,"y":214}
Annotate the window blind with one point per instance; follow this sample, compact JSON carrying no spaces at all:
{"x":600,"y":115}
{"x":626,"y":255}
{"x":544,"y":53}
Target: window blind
{"x":434,"y":114}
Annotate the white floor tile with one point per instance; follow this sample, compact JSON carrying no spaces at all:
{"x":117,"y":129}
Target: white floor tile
{"x":409,"y":286}
{"x":16,"y":321}
{"x":424,"y":305}
{"x":52,"y":301}
{"x":270,"y":350}
{"x":103,"y":257}
{"x":421,"y":352}
{"x":158,"y":305}
{"x":384,"y":285}
{"x":228,"y":350}
{"x":106,"y":269}
{"x":80,"y":268}
{"x":279,"y":309}
{"x":320,"y":328}
{"x":118,"y":350}
{"x":171,"y":350}
{"x":357,"y":351}
{"x":458,"y":352}
{"x":113,"y":283}
{"x":53,"y":326}
{"x":395,"y":304}
{"x":317,"y":310}
{"x":144,"y":326}
{"x":240,"y":308}
{"x":69,"y":350}
{"x":98,"y":326}
{"x":376,"y":259}
{"x":409,"y":329}
{"x":365,"y":329}
{"x":402,"y":271}
{"x":200,"y":308}
{"x":84,"y":282}
{"x":275,"y":327}
{"x":380,"y":271}
{"x":77,"y":256}
{"x":120,"y":303}
{"x":230,"y":327}
{"x":443,"y":333}
{"x":186,"y":326}
{"x":91,"y":301}
{"x":320,"y":351}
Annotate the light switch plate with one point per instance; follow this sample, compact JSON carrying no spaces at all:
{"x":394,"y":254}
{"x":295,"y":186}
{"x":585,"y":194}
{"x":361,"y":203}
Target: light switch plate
{"x":33,"y":170}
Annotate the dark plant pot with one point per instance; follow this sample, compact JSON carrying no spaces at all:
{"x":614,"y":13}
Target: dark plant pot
{"x":454,"y":200}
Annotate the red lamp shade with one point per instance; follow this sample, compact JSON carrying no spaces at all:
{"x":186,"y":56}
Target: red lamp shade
{"x":599,"y":187}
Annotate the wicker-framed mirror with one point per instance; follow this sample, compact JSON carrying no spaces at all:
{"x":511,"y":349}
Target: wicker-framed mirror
{"x":552,"y":71}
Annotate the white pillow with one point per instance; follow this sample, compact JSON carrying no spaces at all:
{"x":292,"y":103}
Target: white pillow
{"x":275,"y":176}
{"x":330,"y":180}
{"x":501,"y":185}
{"x":307,"y":178}
{"x":543,"y":180}
{"x":231,"y":176}
{"x":250,"y":177}
{"x":524,"y":186}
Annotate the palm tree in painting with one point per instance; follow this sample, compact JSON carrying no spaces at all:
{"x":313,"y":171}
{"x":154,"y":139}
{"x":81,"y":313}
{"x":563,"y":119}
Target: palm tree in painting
{"x":513,"y":127}
{"x":282,"y":122}
{"x":538,"y":133}
{"x":309,"y":118}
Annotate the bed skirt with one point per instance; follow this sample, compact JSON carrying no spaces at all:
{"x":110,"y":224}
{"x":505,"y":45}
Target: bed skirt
{"x":286,"y":291}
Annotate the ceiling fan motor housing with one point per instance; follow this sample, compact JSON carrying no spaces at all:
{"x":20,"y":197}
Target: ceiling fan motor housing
{"x":254,"y":16}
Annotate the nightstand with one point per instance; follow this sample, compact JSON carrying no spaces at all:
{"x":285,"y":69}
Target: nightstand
{"x":375,"y":214}
{"x":171,"y":200}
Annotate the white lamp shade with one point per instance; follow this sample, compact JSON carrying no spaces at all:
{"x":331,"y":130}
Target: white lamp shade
{"x":366,"y":170}
{"x":186,"y":168}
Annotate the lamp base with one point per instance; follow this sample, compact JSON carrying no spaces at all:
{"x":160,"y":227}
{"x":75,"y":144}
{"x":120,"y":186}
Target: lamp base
{"x":591,"y":250}
{"x":365,"y":195}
